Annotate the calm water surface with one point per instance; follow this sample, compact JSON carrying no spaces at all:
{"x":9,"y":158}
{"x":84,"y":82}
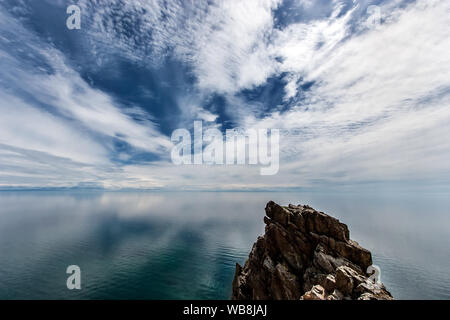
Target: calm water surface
{"x":185,"y":245}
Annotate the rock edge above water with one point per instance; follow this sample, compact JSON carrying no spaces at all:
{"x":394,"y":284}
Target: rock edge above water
{"x":305,"y":254}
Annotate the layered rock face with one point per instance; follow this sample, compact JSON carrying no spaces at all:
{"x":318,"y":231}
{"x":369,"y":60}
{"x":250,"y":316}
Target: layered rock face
{"x":305,"y":254}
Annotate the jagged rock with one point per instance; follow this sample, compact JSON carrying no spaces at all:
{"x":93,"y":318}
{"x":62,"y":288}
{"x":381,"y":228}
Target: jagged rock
{"x":330,"y":283}
{"x":305,"y":254}
{"x":347,"y":279}
{"x":316,"y":293}
{"x":336,"y":295}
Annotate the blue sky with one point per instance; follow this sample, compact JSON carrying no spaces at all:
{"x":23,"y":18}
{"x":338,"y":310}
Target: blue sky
{"x":357,"y":104}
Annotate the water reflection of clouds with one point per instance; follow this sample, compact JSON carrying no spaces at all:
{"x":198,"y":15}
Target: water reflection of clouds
{"x":178,"y":240}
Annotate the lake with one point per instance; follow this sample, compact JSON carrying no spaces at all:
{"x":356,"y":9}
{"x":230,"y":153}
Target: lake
{"x":184,"y":245}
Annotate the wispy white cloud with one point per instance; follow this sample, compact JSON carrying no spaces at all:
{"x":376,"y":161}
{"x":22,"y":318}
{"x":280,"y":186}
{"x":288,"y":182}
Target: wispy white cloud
{"x":380,"y":106}
{"x":55,"y":130}
{"x":230,"y":45}
{"x":225,"y":42}
{"x":377,"y":107}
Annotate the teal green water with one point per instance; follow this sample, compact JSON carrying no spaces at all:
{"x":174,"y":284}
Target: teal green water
{"x":185,"y":245}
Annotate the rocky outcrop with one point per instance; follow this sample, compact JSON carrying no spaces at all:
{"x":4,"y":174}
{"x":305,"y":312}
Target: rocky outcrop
{"x":305,"y":254}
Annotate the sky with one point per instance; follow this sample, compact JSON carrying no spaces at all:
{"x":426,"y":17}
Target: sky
{"x":361,"y":100}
